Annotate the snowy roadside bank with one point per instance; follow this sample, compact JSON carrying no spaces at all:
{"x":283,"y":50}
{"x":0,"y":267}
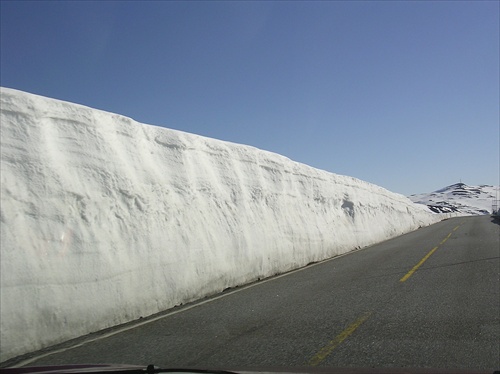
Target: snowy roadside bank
{"x":104,"y":219}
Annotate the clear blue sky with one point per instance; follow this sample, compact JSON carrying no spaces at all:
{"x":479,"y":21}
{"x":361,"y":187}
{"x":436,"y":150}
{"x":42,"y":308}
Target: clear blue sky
{"x":403,"y":94}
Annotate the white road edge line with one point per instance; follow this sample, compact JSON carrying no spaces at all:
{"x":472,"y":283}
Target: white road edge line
{"x":138,"y":324}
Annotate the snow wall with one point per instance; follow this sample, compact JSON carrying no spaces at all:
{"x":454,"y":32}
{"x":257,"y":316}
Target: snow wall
{"x":105,"y":220}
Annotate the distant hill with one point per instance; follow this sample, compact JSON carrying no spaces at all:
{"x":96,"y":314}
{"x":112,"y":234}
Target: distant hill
{"x":460,"y":198}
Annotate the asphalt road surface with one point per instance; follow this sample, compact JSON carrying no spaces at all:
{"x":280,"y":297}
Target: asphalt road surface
{"x":427,"y":299}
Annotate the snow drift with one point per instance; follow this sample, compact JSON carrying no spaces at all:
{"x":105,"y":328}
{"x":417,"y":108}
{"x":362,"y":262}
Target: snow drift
{"x":105,"y":220}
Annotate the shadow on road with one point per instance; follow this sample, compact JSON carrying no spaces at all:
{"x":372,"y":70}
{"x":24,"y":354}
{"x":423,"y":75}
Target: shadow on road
{"x":495,"y":219}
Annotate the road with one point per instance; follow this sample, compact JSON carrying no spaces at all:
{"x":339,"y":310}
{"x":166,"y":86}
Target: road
{"x":427,"y":299}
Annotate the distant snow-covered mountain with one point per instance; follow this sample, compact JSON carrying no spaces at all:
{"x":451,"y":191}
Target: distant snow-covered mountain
{"x":460,"y":198}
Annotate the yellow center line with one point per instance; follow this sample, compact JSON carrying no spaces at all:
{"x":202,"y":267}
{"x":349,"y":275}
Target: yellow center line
{"x":445,"y":239}
{"x":327,"y":349}
{"x":410,"y":273}
{"x":414,"y":269}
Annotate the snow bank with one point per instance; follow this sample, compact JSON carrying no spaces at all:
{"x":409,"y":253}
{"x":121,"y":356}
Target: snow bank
{"x":104,"y":219}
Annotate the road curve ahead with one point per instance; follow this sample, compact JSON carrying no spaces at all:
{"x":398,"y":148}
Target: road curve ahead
{"x":427,"y":299}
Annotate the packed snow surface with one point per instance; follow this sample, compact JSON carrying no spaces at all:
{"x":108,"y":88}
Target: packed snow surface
{"x":461,"y":198}
{"x":105,"y":220}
